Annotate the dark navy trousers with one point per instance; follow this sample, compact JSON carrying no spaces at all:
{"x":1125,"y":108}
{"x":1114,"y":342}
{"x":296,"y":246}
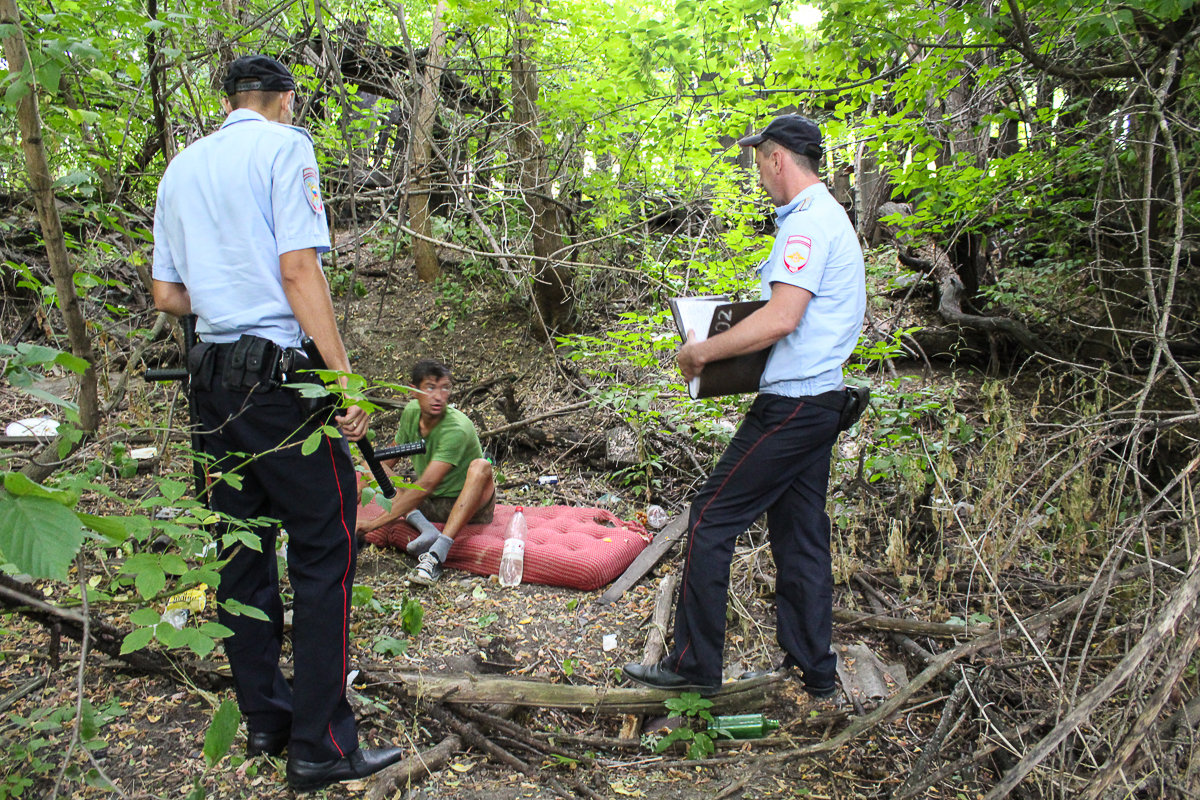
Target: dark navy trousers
{"x":257,"y":437}
{"x":777,"y":463}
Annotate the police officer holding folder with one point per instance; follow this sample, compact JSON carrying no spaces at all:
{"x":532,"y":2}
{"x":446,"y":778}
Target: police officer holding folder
{"x":238,"y":232}
{"x":778,"y":461}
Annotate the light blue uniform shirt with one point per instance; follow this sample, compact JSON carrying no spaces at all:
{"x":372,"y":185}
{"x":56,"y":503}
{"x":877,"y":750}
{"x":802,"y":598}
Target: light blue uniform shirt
{"x":228,"y":206}
{"x":816,"y":249}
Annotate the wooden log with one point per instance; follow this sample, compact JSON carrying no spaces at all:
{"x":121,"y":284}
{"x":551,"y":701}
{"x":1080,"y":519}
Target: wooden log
{"x":881,"y":623}
{"x":648,"y":557}
{"x":402,"y":775}
{"x":464,"y":689}
{"x":656,"y":643}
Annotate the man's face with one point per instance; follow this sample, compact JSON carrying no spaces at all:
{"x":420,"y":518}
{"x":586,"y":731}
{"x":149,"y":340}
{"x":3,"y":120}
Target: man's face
{"x":769,"y":173}
{"x":434,"y":396}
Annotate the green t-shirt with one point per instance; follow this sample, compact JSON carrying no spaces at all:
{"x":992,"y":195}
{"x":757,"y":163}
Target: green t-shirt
{"x":453,"y":440}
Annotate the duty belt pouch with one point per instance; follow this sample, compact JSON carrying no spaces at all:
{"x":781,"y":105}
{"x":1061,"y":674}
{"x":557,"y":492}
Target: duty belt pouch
{"x":252,"y":365}
{"x":202,"y":365}
{"x":857,"y":400}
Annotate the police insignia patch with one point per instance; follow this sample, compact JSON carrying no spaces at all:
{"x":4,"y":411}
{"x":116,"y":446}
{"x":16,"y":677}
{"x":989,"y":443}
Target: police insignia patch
{"x":312,"y":190}
{"x":796,"y":252}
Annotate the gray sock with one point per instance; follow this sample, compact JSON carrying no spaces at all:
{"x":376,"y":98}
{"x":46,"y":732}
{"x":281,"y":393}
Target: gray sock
{"x":429,"y":534}
{"x":441,"y":548}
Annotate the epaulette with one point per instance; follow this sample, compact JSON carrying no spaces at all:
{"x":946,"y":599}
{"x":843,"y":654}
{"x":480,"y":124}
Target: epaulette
{"x":307,"y":135}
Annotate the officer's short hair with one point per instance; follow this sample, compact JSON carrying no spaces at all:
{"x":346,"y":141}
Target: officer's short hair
{"x":428,"y":368}
{"x":254,"y":99}
{"x":806,"y":163}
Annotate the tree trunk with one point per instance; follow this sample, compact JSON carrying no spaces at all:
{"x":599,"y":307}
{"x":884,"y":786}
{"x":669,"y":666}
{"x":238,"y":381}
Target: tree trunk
{"x":552,"y":284}
{"x":41,"y":185}
{"x":420,"y":173}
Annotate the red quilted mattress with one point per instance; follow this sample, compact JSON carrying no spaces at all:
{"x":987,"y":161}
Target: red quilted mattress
{"x":578,"y":548}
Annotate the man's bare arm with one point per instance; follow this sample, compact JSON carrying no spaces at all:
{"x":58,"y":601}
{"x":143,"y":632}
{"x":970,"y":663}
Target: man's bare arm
{"x":172,"y":298}
{"x":779,"y":317}
{"x":308,"y":294}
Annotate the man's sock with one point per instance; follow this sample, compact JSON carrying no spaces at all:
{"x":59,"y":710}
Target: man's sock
{"x":429,"y":534}
{"x":441,"y":548}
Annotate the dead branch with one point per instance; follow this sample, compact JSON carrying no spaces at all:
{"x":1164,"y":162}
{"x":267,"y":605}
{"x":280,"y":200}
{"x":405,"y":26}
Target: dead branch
{"x":538,"y":418}
{"x":1182,"y":603}
{"x":655,"y":642}
{"x":939,"y":664}
{"x":401,"y":776}
{"x":464,"y":689}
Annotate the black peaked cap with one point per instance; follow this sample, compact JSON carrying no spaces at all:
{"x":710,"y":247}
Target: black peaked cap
{"x":796,"y":133}
{"x":257,"y":73}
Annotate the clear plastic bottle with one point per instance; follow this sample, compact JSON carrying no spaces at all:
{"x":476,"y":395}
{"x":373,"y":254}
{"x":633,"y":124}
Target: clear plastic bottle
{"x":512,"y":561}
{"x":656,"y":516}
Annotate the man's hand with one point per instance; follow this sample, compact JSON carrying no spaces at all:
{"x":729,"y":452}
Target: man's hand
{"x":690,"y":361}
{"x":365,"y":525}
{"x":353,"y":422}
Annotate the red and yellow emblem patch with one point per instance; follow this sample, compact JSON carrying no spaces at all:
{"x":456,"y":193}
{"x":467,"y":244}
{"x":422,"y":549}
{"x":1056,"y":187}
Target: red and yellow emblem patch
{"x":312,"y":189}
{"x":796,"y":252}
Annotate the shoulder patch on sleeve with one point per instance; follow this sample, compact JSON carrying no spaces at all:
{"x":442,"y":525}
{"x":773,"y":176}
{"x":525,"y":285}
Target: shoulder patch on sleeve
{"x":312,"y":190}
{"x":796,"y":252}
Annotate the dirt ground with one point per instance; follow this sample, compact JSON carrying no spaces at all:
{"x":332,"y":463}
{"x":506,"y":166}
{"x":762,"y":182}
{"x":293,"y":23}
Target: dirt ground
{"x":154,"y":727}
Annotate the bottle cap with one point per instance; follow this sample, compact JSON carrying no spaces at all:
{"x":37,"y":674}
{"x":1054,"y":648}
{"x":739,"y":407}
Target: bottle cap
{"x":520,"y":509}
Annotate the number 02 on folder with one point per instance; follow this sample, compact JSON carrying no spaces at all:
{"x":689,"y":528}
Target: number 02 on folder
{"x":708,"y":316}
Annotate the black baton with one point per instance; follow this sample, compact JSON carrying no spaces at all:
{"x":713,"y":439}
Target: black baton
{"x":364,"y":446}
{"x":188,"y":323}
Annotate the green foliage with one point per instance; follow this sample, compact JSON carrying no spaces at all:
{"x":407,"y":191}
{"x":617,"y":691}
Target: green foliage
{"x":221,"y":732}
{"x":412,"y":616}
{"x":694,"y":709}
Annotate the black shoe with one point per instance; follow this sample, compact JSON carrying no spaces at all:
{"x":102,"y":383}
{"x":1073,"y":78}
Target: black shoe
{"x":822,"y":693}
{"x":266,"y":743}
{"x":308,"y":776}
{"x":656,"y":676}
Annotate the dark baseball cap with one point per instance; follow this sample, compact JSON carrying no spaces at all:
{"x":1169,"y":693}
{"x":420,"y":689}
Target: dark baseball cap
{"x":796,"y":133}
{"x":257,"y":74}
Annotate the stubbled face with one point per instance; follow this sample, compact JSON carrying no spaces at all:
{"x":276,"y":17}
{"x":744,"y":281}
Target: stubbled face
{"x":769,"y":176}
{"x":434,"y":397}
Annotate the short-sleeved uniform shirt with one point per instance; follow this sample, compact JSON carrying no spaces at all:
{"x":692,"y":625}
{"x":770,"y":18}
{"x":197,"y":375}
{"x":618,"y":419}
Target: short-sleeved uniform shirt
{"x":816,"y":249}
{"x":228,"y":206}
{"x":453,"y":440}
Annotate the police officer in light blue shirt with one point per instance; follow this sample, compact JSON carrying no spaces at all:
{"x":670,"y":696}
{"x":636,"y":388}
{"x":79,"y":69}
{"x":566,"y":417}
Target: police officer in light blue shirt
{"x":778,"y":461}
{"x":238,"y":232}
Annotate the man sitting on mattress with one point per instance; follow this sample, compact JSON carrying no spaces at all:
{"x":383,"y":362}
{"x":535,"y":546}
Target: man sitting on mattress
{"x":454,"y":479}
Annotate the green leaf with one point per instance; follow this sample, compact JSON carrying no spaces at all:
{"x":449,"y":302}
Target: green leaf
{"x":312,"y":443}
{"x":391,"y":646}
{"x":111,"y":528}
{"x":71,"y":362}
{"x":137,"y":640}
{"x":215,"y":630}
{"x":412,"y":616}
{"x":16,"y":483}
{"x":87,"y":721}
{"x":238,"y":609}
{"x":145,"y":616}
{"x":38,"y":535}
{"x":173,"y":564}
{"x":150,"y":582}
{"x":172,"y":490}
{"x":221,"y":731}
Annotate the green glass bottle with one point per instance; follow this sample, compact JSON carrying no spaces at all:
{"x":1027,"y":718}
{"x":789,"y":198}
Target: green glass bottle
{"x":742,"y":726}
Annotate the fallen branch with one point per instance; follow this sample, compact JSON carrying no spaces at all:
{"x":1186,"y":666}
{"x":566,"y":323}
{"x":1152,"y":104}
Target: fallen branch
{"x":526,"y":422}
{"x":939,"y":664}
{"x":464,"y":689}
{"x":656,"y":642}
{"x":1183,"y":601}
{"x":402,"y":775}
